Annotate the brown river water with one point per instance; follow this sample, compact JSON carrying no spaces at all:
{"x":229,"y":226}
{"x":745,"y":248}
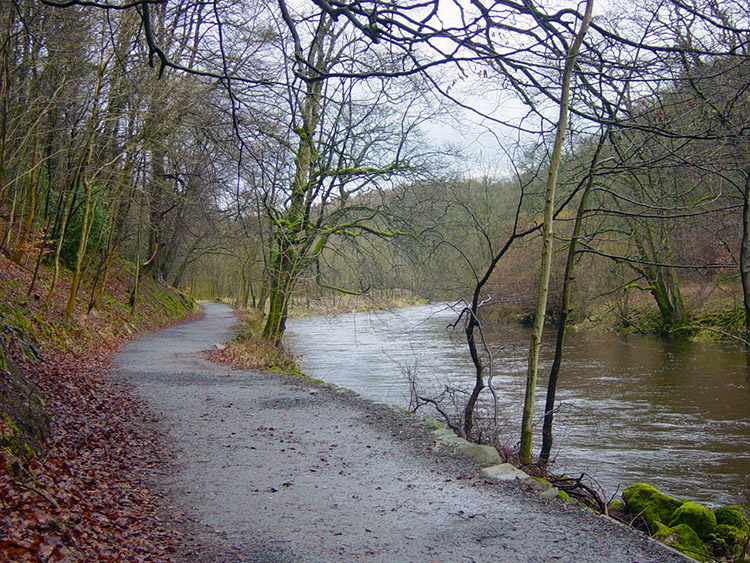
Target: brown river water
{"x":675,"y":414}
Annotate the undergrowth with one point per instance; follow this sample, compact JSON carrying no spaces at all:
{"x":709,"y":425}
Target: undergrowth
{"x":249,"y":350}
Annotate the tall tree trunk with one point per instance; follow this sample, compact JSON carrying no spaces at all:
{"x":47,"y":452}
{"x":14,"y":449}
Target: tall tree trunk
{"x":565,"y":308}
{"x":7,"y":237}
{"x":745,"y":253}
{"x":547,"y":239}
{"x":58,"y":248}
{"x":7,"y":22}
{"x":28,"y":222}
{"x":471,"y":338}
{"x":290,"y":226}
{"x":137,"y":277}
{"x":156,"y":203}
{"x":81,"y":252}
{"x":188,"y":259}
{"x":119,"y":215}
{"x":284,"y":270}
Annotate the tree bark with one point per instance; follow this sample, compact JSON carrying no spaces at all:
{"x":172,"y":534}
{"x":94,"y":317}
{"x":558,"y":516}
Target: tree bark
{"x":292,"y":243}
{"x":565,"y":308}
{"x":745,"y":253}
{"x":28,"y":222}
{"x":471,"y":339}
{"x":284,"y":271}
{"x":81,"y":252}
{"x":547,"y":239}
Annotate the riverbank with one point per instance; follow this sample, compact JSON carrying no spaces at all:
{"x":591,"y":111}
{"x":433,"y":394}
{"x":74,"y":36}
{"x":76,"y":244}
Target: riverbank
{"x":712,"y":313}
{"x":75,"y":446}
{"x":632,"y":408}
{"x":325,"y":343}
{"x":337,"y":303}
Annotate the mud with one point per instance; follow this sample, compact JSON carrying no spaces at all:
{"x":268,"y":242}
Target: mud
{"x":271,"y":468}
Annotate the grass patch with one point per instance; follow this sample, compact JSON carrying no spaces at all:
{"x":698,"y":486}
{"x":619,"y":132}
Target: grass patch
{"x":249,"y":350}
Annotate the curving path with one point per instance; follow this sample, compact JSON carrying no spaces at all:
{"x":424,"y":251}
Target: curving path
{"x":269,"y":468}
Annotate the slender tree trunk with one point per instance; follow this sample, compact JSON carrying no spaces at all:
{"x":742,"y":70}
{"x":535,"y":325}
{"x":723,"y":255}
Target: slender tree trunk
{"x":745,"y":253}
{"x":11,"y":219}
{"x":83,"y":238}
{"x":28,"y":222}
{"x":565,"y":308}
{"x":547,"y":239}
{"x":181,"y":272}
{"x":471,"y":339}
{"x":134,"y":290}
{"x":58,"y":249}
{"x":263,"y":295}
{"x":8,"y":18}
{"x":81,"y":252}
{"x":188,"y":259}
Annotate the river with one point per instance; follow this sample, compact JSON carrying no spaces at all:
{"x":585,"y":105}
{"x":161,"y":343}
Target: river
{"x":675,"y":414}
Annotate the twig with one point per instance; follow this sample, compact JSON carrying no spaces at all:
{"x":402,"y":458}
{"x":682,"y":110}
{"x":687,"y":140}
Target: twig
{"x":588,"y":492}
{"x":41,"y":493}
{"x":435,"y":404}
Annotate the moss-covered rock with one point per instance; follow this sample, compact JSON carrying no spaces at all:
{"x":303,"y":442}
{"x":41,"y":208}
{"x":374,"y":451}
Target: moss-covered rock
{"x":433,"y":424}
{"x":651,"y":504}
{"x":727,"y":541}
{"x":683,"y":538}
{"x":24,"y":424}
{"x":699,"y":518}
{"x":732,"y":516}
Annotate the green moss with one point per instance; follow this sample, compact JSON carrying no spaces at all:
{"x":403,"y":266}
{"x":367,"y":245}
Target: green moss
{"x":562,"y":495}
{"x":542,"y":481}
{"x":21,"y":321}
{"x":730,"y":320}
{"x":728,"y":541}
{"x":309,"y":379}
{"x":11,"y":440}
{"x":24,"y":424}
{"x":432,"y":423}
{"x":616,"y":506}
{"x":652,"y":505}
{"x":699,"y":518}
{"x":643,"y":320}
{"x":683,"y":538}
{"x":732,"y":516}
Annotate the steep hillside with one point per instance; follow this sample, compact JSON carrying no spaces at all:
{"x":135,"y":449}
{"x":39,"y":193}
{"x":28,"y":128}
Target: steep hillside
{"x":74,"y":446}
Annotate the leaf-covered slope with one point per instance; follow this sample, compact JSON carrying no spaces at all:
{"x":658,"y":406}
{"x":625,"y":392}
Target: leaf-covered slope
{"x":76,"y":447}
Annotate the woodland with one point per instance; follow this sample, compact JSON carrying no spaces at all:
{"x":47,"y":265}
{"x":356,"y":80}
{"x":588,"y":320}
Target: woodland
{"x":264,"y":151}
{"x":273,"y":152}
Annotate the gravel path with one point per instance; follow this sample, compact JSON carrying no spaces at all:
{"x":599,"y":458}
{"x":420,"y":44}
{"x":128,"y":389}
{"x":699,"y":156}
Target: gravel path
{"x":270,"y":468}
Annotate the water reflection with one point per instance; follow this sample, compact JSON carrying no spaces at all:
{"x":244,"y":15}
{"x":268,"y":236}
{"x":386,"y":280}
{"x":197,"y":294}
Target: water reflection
{"x":675,"y":414}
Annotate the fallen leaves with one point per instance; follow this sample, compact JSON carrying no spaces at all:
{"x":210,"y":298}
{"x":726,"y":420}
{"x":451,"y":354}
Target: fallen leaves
{"x":86,"y":498}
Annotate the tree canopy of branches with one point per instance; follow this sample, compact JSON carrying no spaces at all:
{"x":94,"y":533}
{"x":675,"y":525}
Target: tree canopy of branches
{"x":292,"y":125}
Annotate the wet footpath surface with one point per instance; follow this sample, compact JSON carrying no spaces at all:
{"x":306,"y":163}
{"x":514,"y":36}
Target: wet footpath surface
{"x":271,"y":468}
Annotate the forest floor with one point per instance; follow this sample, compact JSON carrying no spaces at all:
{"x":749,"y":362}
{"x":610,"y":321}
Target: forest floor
{"x":83,"y":494}
{"x":268,"y":467}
